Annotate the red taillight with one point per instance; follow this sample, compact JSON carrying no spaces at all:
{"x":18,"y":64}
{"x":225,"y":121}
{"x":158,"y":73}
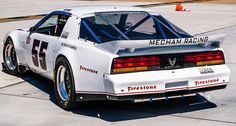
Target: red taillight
{"x":205,"y":58}
{"x":182,"y":60}
{"x":131,"y":64}
{"x":137,"y":59}
{"x":126,"y":65}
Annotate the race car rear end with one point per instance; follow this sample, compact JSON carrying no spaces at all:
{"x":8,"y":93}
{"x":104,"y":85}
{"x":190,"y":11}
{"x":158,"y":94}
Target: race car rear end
{"x":164,"y":75}
{"x":150,"y":57}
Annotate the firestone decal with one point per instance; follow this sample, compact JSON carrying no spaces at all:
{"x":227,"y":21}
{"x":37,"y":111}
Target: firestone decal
{"x":195,"y":40}
{"x":141,"y":88}
{"x":88,"y":70}
{"x":203,"y":82}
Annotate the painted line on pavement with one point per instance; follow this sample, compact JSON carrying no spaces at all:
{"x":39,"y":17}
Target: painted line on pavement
{"x":215,"y":30}
{"x":171,"y":3}
{"x":21,"y":18}
{"x":198,"y":118}
{"x":29,"y":80}
{"x":23,"y":96}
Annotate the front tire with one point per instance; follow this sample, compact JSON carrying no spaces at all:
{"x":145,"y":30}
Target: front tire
{"x":10,"y":58}
{"x":64,"y":84}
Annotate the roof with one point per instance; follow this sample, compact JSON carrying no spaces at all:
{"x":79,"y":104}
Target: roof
{"x":81,"y":11}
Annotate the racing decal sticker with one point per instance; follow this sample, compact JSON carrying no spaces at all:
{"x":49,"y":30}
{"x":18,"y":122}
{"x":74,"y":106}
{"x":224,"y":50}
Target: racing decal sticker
{"x":203,"y":82}
{"x":141,"y":88}
{"x":162,"y":42}
{"x":206,"y":70}
{"x":34,"y":52}
{"x":27,"y":40}
{"x":88,"y":70}
{"x":69,"y":46}
{"x":65,"y":35}
{"x":39,"y":56}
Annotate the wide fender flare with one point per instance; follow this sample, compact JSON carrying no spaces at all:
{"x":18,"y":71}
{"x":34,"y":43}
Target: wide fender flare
{"x":73,"y":61}
{"x":15,"y":36}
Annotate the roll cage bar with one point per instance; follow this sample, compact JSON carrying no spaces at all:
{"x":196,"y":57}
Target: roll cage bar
{"x":157,"y":22}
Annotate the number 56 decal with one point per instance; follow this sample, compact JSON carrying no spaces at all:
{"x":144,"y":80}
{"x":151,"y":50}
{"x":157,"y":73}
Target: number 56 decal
{"x":39,"y":57}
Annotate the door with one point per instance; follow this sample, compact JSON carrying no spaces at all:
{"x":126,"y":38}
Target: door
{"x":39,"y":51}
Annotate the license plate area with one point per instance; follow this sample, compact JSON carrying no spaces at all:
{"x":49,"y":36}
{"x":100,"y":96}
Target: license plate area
{"x":178,"y":84}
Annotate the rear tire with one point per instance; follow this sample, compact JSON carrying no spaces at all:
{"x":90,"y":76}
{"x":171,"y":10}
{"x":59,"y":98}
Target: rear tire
{"x":64,"y":84}
{"x":10,"y":58}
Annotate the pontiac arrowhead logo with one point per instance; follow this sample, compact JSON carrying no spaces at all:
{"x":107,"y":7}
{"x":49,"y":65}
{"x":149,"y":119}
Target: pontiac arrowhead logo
{"x":172,"y":62}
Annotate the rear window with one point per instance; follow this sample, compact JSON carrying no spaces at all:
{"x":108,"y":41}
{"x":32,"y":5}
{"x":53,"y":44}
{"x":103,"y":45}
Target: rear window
{"x":110,"y":26}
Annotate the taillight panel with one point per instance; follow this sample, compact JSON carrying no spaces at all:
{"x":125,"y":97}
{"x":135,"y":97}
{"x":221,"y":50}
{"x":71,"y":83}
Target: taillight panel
{"x":166,"y":61}
{"x":203,"y":56}
{"x":134,"y":64}
{"x":207,"y":58}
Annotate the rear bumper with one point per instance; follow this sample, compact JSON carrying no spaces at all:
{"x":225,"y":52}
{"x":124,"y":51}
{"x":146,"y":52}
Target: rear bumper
{"x":165,"y":94}
{"x":104,"y":96}
{"x":164,"y":83}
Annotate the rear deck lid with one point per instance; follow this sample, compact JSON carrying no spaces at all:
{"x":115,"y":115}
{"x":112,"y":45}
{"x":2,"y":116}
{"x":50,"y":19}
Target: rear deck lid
{"x":130,"y":45}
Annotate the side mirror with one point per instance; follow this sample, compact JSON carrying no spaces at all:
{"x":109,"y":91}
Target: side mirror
{"x":33,"y":29}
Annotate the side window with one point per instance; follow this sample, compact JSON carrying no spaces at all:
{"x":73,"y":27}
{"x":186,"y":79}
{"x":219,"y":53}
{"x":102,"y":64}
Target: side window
{"x":61,"y":21}
{"x":52,"y":21}
{"x":53,"y":25}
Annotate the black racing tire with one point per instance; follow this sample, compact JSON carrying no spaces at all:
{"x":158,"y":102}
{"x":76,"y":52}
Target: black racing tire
{"x":10,"y":58}
{"x":64,"y":85}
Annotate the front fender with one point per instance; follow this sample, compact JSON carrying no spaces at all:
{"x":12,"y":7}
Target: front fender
{"x":18,"y":37}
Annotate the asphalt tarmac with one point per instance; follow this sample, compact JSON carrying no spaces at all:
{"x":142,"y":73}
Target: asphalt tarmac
{"x":28,"y":100}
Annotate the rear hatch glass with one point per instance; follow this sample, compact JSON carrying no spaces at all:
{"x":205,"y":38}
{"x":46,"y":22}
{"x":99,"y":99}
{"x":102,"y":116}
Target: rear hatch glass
{"x":110,"y":26}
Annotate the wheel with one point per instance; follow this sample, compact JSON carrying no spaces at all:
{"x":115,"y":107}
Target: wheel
{"x":9,"y":57}
{"x":64,"y":84}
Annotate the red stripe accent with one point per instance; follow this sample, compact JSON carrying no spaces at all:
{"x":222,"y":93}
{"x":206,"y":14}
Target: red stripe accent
{"x":196,"y":87}
{"x":150,"y":92}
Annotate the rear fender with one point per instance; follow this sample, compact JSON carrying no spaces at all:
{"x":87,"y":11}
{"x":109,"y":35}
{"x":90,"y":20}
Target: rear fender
{"x":71,"y":57}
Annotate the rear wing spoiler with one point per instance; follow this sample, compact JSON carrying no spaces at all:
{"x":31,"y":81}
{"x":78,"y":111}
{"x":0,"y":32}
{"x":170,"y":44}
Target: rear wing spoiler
{"x":130,"y":45}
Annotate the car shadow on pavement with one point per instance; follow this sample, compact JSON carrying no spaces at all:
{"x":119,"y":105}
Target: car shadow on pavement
{"x":114,"y":111}
{"x":126,"y":110}
{"x":40,"y":83}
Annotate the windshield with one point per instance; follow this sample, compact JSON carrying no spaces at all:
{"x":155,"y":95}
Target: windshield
{"x":110,"y":26}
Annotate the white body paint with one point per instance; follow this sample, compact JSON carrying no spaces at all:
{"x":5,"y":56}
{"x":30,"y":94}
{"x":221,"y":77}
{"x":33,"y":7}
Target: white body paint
{"x":91,"y":63}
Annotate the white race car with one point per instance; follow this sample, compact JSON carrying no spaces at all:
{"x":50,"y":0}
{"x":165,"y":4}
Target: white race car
{"x":116,"y":53}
